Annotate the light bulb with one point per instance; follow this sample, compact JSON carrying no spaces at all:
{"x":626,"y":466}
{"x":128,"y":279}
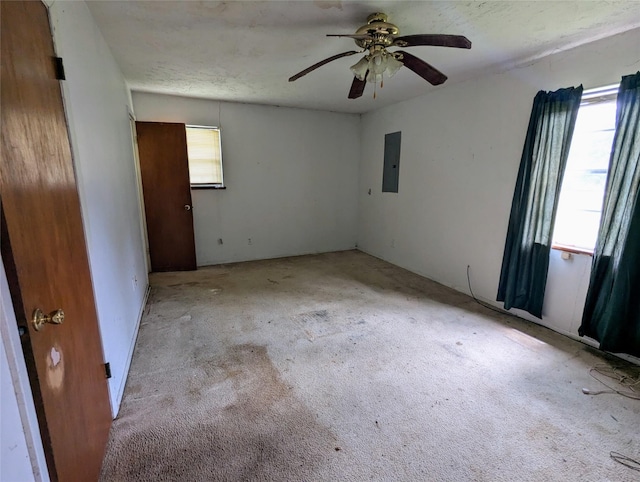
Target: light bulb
{"x":378,"y":62}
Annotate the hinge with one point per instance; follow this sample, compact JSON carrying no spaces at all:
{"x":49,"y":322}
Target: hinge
{"x":59,"y":66}
{"x":107,"y":370}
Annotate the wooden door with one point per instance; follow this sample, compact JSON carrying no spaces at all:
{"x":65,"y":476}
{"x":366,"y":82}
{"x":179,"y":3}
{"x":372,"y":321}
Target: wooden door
{"x":47,"y":246}
{"x":164,"y":169}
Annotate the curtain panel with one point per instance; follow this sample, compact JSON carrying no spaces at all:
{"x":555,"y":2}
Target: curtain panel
{"x":525,"y":263}
{"x":612,"y":309}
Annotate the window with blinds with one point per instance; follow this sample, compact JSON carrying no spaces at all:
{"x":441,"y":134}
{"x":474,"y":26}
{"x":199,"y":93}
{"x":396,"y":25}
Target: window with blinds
{"x":205,"y":157}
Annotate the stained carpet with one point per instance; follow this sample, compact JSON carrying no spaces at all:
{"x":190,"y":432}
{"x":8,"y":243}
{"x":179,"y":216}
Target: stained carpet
{"x":343,"y":367}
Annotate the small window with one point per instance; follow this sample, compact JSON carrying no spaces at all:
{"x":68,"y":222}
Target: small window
{"x":205,"y":157}
{"x":585,"y":176}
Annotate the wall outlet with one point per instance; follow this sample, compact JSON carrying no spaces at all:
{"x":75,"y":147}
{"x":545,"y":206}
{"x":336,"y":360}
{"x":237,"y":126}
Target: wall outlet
{"x":393,"y":243}
{"x":250,"y":242}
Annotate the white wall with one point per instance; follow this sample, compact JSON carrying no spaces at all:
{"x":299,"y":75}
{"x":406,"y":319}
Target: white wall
{"x":461,"y":147}
{"x":21,"y":454}
{"x":15,"y":463}
{"x":97,"y":104}
{"x":291,"y":177}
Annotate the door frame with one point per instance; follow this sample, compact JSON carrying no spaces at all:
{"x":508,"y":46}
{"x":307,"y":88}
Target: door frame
{"x":20,"y":381}
{"x":143,"y":216}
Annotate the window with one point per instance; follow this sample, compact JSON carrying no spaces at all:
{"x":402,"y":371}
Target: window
{"x":205,"y":157}
{"x":585,"y":176}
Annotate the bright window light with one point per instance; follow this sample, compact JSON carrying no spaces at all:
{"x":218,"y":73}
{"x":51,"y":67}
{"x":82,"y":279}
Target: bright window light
{"x":205,"y":156}
{"x":585,"y":177}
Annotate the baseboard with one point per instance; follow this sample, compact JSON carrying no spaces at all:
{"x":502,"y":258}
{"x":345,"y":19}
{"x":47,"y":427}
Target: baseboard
{"x":584,"y":340}
{"x":127,"y":366}
{"x":204,"y":264}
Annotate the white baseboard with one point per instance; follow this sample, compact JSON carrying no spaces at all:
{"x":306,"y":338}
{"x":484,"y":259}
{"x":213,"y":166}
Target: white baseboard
{"x":123,"y":383}
{"x":521,"y":315}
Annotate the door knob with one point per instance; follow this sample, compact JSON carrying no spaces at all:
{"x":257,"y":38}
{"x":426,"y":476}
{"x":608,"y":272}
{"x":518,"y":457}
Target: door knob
{"x":40,"y":319}
{"x":187,"y":207}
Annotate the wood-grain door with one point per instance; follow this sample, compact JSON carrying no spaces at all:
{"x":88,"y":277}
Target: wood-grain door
{"x":44,"y":241}
{"x":164,"y":169}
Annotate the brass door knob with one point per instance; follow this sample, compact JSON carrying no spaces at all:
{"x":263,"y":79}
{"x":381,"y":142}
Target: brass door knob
{"x":40,"y":319}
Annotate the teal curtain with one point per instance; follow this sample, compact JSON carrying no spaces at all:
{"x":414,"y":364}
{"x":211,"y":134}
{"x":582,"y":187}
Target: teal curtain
{"x":526,"y":254}
{"x":612,"y":309}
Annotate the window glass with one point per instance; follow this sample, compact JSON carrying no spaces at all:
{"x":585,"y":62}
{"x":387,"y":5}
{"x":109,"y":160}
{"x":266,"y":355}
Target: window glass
{"x":585,"y":177}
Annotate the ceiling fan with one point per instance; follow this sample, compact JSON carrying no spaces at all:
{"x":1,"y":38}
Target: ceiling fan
{"x":374,"y":38}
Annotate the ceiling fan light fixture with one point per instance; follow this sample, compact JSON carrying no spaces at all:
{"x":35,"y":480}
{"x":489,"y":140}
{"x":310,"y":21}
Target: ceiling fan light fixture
{"x":378,"y":64}
{"x":393,"y":65}
{"x":361,"y":68}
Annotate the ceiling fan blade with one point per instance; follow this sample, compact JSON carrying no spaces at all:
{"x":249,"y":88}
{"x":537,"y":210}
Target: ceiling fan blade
{"x":363,"y":36}
{"x":357,"y":87}
{"x":320,"y":64}
{"x":423,"y":69}
{"x":437,"y":40}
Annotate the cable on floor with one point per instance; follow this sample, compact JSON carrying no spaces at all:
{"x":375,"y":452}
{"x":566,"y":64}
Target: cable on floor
{"x":630,"y":383}
{"x":482,"y":303}
{"x":624,"y":460}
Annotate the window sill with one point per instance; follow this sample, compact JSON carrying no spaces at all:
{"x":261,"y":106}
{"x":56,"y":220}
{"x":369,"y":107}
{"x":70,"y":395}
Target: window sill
{"x":572,"y":249}
{"x":207,"y":186}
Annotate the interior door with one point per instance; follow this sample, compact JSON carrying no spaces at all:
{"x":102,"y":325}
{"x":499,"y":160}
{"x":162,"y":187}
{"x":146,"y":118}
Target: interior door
{"x":45,"y":242}
{"x":164,"y":169}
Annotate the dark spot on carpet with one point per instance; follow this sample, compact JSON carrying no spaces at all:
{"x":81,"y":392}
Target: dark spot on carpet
{"x":263,"y":431}
{"x":317,"y":324}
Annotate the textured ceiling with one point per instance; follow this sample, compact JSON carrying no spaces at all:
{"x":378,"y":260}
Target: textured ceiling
{"x":244,"y":51}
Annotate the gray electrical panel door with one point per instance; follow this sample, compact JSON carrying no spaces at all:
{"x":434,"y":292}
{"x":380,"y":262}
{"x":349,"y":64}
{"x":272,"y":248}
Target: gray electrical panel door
{"x":391,"y":169}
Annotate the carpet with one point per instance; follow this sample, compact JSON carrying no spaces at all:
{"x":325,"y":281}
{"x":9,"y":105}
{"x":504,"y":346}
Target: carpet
{"x":341,"y":366}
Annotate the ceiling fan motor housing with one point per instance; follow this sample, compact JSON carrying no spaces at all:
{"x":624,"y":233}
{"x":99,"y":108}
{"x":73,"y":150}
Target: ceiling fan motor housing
{"x":379,"y":29}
